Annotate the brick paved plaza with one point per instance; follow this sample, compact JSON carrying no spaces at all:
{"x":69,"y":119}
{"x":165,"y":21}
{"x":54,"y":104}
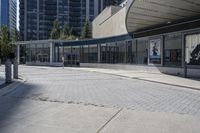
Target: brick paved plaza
{"x":48,"y":90}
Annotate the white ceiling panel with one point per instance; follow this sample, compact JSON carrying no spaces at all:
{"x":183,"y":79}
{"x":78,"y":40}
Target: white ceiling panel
{"x":146,"y":13}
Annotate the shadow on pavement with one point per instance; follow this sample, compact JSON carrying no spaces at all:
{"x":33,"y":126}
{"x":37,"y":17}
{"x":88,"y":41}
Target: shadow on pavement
{"x":2,"y":85}
{"x":11,"y":103}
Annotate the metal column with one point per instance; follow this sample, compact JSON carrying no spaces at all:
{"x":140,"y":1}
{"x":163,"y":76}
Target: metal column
{"x":99,"y":52}
{"x":18,"y":53}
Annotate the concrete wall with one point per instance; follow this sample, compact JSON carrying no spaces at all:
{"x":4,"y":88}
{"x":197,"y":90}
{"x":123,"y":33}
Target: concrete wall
{"x":110,"y":22}
{"x":167,"y":70}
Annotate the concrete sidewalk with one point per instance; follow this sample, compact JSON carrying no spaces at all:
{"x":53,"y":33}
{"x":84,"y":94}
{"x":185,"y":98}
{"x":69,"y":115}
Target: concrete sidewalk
{"x":30,"y":116}
{"x":57,"y":100}
{"x":151,"y":77}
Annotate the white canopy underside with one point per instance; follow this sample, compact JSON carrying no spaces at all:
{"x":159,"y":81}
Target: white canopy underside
{"x":142,"y":14}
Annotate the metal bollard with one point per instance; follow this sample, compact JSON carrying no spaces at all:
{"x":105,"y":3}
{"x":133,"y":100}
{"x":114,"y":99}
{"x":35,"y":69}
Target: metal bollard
{"x":15,"y":69}
{"x":8,"y":71}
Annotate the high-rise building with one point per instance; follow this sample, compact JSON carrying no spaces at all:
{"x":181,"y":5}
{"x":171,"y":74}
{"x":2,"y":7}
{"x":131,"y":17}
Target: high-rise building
{"x":37,"y":16}
{"x":8,"y":9}
{"x":111,"y":2}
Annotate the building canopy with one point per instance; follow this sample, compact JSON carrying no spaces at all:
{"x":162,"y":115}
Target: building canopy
{"x":143,"y":14}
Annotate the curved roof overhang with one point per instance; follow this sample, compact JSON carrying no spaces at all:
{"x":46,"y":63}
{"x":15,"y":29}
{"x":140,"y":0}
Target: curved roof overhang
{"x":143,"y":14}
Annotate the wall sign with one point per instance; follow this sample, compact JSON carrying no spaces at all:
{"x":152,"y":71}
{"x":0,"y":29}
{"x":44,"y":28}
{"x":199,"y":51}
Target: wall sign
{"x":192,"y":49}
{"x":155,"y":48}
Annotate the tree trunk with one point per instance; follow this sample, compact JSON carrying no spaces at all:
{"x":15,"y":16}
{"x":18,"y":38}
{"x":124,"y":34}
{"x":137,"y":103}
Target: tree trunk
{"x":15,"y":69}
{"x":8,"y":71}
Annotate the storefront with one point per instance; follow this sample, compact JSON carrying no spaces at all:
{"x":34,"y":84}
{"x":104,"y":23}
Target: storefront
{"x":166,"y":50}
{"x":170,"y":50}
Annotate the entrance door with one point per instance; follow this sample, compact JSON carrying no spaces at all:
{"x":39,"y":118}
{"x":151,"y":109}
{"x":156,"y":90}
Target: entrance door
{"x":72,"y":56}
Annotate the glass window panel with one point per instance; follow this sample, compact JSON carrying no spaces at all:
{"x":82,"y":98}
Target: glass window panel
{"x":193,"y":49}
{"x":112,"y":53}
{"x":103,"y":53}
{"x":121,"y":52}
{"x":142,"y":51}
{"x":33,"y":52}
{"x":28,"y":53}
{"x":75,"y":55}
{"x":56,"y":53}
{"x":85,"y":53}
{"x":129,"y":55}
{"x":61,"y":54}
{"x":67,"y":55}
{"x":134,"y":54}
{"x":39,"y":55}
{"x":22,"y":54}
{"x":93,"y":55}
{"x":173,"y":50}
{"x":46,"y":53}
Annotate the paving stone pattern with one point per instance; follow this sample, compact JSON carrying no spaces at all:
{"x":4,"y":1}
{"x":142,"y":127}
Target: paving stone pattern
{"x":90,"y":88}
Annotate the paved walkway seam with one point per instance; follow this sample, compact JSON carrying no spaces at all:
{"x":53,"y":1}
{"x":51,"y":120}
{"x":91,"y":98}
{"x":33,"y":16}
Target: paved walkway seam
{"x":98,"y":131}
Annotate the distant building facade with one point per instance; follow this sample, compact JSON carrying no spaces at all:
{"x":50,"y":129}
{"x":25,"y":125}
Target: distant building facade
{"x":8,"y":14}
{"x":37,"y":16}
{"x":113,"y":2}
{"x":130,"y":36}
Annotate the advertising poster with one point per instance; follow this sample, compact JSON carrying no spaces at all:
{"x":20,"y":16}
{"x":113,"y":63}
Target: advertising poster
{"x":155,"y":56}
{"x":192,"y":49}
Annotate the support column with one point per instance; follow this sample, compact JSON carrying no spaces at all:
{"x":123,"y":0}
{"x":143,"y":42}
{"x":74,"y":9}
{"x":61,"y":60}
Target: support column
{"x":99,"y":52}
{"x":18,"y":53}
{"x":184,"y":63}
{"x":51,"y":53}
{"x":162,"y":50}
{"x":136,"y":52}
{"x":126,"y":50}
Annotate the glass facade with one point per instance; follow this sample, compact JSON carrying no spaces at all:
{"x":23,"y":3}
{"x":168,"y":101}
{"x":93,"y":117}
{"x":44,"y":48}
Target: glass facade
{"x":8,"y":9}
{"x":85,"y":54}
{"x":121,"y":46}
{"x":192,"y":52}
{"x":173,"y":50}
{"x":112,"y":53}
{"x":37,"y":16}
{"x":142,"y":51}
{"x":134,"y":52}
{"x":103,"y":53}
{"x":38,"y":53}
{"x":4,"y":9}
{"x":165,"y":50}
{"x":93,"y":54}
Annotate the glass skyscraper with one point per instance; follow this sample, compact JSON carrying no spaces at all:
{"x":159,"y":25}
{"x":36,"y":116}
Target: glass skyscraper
{"x":37,"y":16}
{"x":8,"y":14}
{"x":112,"y":2}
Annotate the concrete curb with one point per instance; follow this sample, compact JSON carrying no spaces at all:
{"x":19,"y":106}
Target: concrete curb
{"x":152,"y":81}
{"x":11,"y":87}
{"x":188,"y":87}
